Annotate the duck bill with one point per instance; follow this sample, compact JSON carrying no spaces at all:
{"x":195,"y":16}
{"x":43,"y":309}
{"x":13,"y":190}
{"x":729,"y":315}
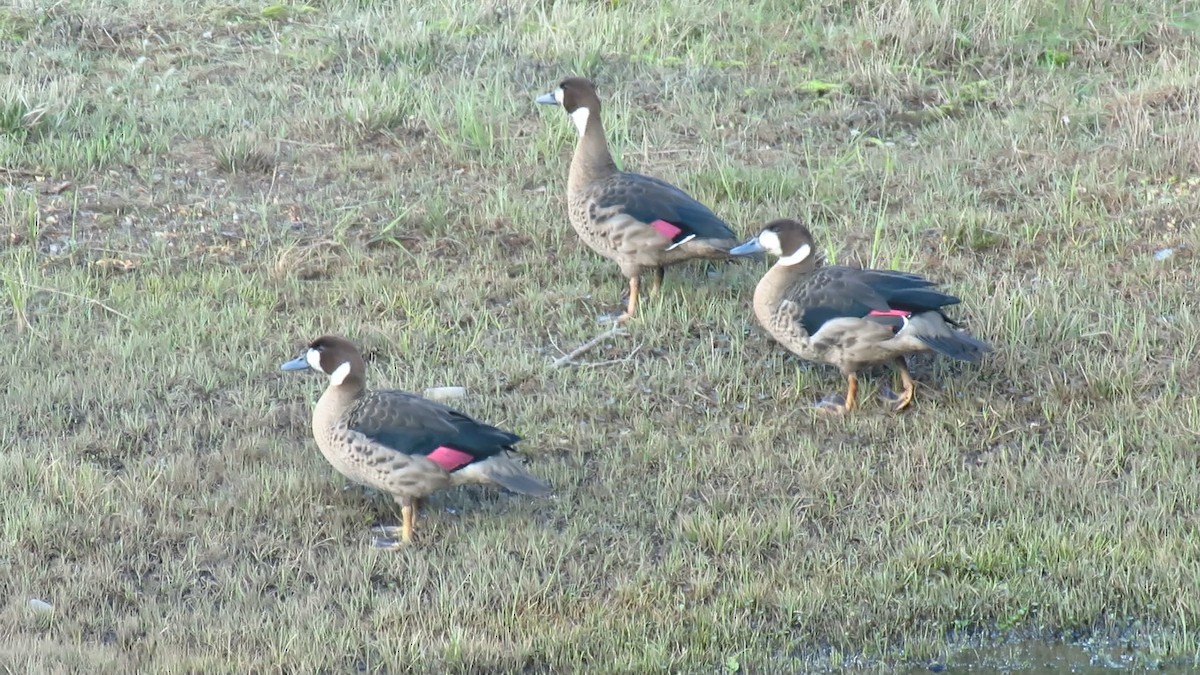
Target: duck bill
{"x":547,"y":99}
{"x":298,"y":363}
{"x":749,"y":248}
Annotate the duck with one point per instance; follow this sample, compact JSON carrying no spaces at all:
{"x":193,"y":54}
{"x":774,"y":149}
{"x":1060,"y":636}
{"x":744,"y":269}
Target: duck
{"x":850,"y":317}
{"x":402,"y":444}
{"x":639,"y":222}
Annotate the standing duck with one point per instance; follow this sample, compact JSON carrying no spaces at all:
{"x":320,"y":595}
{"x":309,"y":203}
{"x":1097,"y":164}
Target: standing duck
{"x":640,"y":223}
{"x":849,"y":317}
{"x":400,"y":443}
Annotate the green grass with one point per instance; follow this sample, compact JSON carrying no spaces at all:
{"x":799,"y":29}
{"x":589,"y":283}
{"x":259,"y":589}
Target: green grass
{"x":243,"y":177}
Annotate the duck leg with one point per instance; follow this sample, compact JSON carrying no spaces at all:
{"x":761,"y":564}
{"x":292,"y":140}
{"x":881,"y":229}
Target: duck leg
{"x":851,"y":391}
{"x":631,"y":308}
{"x":910,"y":388}
{"x":655,"y":287}
{"x":833,"y":405}
{"x":408,"y":514}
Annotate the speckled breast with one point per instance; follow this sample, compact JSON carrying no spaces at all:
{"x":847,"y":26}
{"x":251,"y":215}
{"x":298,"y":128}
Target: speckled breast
{"x":581,"y":211}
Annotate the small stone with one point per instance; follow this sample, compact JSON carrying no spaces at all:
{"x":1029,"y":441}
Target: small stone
{"x":1162,"y":254}
{"x":41,"y":605}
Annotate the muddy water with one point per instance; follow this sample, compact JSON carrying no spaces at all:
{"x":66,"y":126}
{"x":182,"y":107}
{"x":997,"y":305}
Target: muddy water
{"x":1041,"y":658}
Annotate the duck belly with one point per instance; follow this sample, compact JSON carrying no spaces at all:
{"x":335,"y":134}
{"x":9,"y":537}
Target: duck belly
{"x":387,"y":470}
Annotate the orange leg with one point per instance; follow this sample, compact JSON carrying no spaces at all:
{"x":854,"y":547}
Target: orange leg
{"x":655,"y":287}
{"x":830,"y":407}
{"x":910,"y":388}
{"x":631,"y":309}
{"x":408,"y":511}
{"x":851,"y":391}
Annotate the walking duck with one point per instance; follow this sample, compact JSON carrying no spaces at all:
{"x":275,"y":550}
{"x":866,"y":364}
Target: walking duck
{"x":400,"y":443}
{"x":851,"y":318}
{"x":640,"y":223}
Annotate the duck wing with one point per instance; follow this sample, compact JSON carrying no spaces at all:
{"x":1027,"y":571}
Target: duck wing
{"x":883,"y":296}
{"x":666,"y":208}
{"x":413,"y":425}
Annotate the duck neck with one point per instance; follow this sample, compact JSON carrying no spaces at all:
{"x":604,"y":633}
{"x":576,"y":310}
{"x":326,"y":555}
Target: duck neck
{"x":336,"y":400}
{"x":592,"y":159}
{"x":775,"y":287}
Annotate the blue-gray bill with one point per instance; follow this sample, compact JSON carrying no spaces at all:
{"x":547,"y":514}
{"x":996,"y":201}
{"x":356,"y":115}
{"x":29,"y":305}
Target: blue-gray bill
{"x":298,"y":363}
{"x":749,"y":248}
{"x":547,"y":99}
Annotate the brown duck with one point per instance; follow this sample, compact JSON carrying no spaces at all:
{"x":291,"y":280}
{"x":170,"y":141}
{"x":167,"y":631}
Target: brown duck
{"x":640,"y":223}
{"x":400,"y":443}
{"x":849,"y":317}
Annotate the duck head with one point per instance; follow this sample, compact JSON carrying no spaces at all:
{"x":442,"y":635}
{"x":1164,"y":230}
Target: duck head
{"x":786,"y":239}
{"x":576,"y":95}
{"x":335,"y":356}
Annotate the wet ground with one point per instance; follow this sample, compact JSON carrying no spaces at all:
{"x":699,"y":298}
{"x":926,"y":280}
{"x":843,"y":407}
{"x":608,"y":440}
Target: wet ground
{"x":1041,"y":658}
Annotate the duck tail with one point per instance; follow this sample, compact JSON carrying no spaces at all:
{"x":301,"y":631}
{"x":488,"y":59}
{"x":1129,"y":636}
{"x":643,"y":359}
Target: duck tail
{"x":506,"y":471}
{"x":931,"y":328}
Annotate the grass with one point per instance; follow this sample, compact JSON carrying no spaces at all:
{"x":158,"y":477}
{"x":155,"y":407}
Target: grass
{"x":193,"y":191}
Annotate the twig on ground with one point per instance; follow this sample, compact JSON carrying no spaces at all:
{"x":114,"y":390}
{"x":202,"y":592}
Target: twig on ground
{"x":625,"y":359}
{"x":587,"y":346}
{"x":327,"y":146}
{"x":77,"y":297}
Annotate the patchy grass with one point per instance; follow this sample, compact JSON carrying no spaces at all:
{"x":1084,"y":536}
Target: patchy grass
{"x":193,"y":191}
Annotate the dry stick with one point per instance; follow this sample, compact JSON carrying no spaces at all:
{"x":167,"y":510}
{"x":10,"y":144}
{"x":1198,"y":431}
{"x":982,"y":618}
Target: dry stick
{"x":568,"y":358}
{"x":77,"y":297}
{"x":589,"y":345}
{"x":625,"y":359}
{"x":16,"y":172}
{"x":326,"y":146}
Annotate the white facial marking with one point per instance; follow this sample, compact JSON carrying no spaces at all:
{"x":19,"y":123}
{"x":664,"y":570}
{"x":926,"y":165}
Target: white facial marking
{"x":340,"y":374}
{"x":799,"y":256}
{"x":580,"y":118}
{"x":770,"y":241}
{"x":558,"y":95}
{"x":314,"y":360}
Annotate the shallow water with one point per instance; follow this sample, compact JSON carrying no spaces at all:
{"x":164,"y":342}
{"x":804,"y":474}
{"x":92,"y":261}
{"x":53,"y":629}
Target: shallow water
{"x":1042,"y":658}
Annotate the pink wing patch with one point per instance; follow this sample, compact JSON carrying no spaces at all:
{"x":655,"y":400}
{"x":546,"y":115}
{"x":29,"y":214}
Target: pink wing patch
{"x":893,"y":312}
{"x":449,"y":458}
{"x":666,"y":229}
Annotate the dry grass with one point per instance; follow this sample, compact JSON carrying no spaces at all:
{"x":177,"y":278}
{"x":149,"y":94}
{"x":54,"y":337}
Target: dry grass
{"x":244,"y":177}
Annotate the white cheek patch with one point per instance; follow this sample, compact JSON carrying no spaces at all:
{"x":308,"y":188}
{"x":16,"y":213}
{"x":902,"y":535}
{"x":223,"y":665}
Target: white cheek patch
{"x":558,"y":95}
{"x":770,"y":241}
{"x":580,"y":118}
{"x":340,"y":374}
{"x":314,"y":360}
{"x":800,"y":255}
